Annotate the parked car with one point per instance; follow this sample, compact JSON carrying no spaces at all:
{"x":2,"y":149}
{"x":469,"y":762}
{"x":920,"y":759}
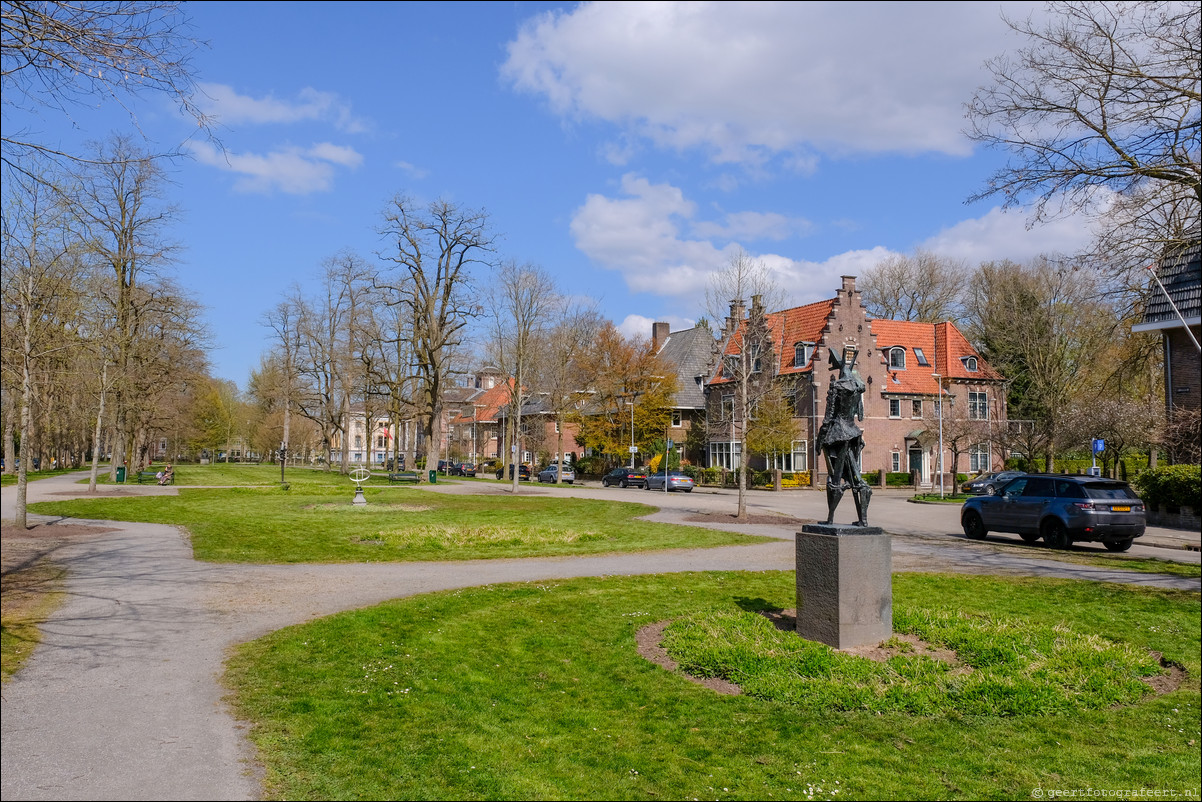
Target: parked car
{"x":550,"y":473}
{"x":523,"y":473}
{"x":675,"y":480}
{"x":462,"y":469}
{"x":624,"y":477}
{"x":988,"y":483}
{"x":1060,"y":509}
{"x":444,"y":465}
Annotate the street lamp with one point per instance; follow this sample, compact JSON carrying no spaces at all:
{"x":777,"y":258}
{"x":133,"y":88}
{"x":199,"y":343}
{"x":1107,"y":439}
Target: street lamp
{"x":939,"y":410}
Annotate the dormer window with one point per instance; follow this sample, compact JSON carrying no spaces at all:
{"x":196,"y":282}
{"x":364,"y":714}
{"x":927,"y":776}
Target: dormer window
{"x":802,"y":353}
{"x":970,"y":363}
{"x":897,"y":358}
{"x":921,"y":357}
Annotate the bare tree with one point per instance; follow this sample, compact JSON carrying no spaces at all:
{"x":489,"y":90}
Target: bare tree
{"x":62,"y":55}
{"x":923,"y":287}
{"x":747,"y":357}
{"x":521,"y":302}
{"x":561,"y":374}
{"x":1103,"y":101}
{"x":433,"y":253}
{"x":1043,"y":326}
{"x":40,"y":304}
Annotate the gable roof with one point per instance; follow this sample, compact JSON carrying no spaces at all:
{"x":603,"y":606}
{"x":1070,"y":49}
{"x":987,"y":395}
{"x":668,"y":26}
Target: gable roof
{"x":1181,"y":275}
{"x":801,"y":324}
{"x":944,"y":347}
{"x":487,"y":403}
{"x":690,"y":352}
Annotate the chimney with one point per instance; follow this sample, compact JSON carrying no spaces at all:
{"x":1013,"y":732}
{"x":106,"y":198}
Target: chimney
{"x":849,"y":285}
{"x":659,"y":333}
{"x":757,"y":304}
{"x":736,"y":315}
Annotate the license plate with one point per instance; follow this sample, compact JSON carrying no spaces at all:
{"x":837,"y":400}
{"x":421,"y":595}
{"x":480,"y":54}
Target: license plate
{"x":1121,"y":509}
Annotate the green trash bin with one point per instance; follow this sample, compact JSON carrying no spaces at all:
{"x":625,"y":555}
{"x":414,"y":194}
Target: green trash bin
{"x":433,"y":477}
{"x":120,"y":474}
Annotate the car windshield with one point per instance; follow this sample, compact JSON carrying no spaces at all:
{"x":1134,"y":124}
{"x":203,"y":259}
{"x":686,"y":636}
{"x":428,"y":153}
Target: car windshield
{"x":1109,"y":490}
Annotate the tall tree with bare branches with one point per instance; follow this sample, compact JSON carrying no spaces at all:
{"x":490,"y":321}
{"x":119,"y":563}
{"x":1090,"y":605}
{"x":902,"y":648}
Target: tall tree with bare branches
{"x":432,"y":255}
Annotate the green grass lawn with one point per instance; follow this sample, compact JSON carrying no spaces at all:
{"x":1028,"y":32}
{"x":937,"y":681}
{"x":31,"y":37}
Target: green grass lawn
{"x":536,"y":691}
{"x":315,"y":524}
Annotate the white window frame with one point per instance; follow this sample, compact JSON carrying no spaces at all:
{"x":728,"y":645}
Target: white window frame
{"x":978,"y":405}
{"x":895,"y":460}
{"x":677,"y":419}
{"x":970,"y":364}
{"x":803,"y":352}
{"x":979,"y":459}
{"x":897,"y":355}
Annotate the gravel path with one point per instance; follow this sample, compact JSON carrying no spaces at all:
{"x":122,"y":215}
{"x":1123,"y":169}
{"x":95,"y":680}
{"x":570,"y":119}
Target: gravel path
{"x":122,"y":698}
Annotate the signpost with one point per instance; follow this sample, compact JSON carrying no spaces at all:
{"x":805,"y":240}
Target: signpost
{"x":1099,"y":445}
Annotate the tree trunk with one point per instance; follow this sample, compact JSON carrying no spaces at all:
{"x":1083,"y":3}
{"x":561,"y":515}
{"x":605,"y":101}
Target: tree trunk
{"x":96,"y":437}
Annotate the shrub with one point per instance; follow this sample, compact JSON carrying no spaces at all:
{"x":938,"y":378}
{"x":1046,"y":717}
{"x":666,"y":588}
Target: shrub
{"x":898,"y":479}
{"x":872,"y":477}
{"x":1171,"y":486}
{"x":590,"y":466}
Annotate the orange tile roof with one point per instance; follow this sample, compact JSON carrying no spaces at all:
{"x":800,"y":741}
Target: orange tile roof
{"x":488,"y":403}
{"x":788,"y":327}
{"x":943,"y":346}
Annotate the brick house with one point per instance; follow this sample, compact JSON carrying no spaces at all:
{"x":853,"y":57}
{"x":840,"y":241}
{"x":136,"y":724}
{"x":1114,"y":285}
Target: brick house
{"x":690,"y":352}
{"x":903,"y":364}
{"x":1180,"y":274}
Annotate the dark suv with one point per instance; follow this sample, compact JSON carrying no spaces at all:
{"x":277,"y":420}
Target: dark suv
{"x":1060,"y":509}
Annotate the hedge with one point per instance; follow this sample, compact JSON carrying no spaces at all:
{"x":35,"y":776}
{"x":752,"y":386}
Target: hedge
{"x":1171,"y":486}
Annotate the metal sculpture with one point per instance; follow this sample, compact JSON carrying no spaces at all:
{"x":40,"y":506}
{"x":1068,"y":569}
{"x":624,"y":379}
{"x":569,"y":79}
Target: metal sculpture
{"x":841,"y":440}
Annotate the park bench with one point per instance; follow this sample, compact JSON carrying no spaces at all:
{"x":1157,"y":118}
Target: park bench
{"x":152,"y":476}
{"x":404,"y":476}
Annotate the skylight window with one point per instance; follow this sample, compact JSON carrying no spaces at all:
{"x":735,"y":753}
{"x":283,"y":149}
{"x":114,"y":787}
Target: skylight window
{"x":920,"y":356}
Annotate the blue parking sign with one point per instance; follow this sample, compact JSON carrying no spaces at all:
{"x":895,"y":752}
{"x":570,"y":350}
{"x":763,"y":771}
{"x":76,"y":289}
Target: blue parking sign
{"x":1099,"y":446}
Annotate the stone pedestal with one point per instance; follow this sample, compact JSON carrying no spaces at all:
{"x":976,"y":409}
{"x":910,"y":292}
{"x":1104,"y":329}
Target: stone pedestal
{"x":844,"y":585}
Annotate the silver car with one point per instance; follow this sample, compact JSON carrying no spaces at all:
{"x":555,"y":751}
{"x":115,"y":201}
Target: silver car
{"x":675,"y":480}
{"x":550,"y":473}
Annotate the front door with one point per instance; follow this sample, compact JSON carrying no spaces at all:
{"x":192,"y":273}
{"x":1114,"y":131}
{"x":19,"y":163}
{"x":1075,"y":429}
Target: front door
{"x":916,"y":464}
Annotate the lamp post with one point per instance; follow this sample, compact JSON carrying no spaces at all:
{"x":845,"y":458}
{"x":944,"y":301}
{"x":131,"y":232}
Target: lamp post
{"x":283,"y":459}
{"x":939,"y":410}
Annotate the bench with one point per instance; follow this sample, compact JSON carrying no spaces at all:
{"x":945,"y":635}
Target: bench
{"x":404,"y":476}
{"x":152,"y":476}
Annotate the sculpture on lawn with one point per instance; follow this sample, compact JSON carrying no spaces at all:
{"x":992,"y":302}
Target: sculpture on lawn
{"x":841,"y":440}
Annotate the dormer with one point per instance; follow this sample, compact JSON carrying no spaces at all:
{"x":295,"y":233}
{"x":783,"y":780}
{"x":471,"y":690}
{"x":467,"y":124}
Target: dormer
{"x":803,"y":352}
{"x":970,"y":363}
{"x":897,"y":357}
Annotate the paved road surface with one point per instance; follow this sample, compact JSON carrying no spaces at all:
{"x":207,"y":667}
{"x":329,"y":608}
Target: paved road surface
{"x":122,"y":700}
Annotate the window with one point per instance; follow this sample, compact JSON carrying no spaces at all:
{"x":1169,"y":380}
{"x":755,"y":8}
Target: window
{"x":725,"y":455}
{"x":379,"y":441}
{"x":676,"y":421}
{"x":920,"y":356}
{"x":753,"y":354}
{"x":970,"y":363}
{"x":895,"y":462}
{"x":895,"y":407}
{"x":978,"y":406}
{"x":897,"y":358}
{"x":802,"y":352}
{"x":557,"y":427}
{"x":793,"y":460}
{"x":358,"y":441}
{"x":916,"y":408}
{"x":729,"y":366}
{"x":978,"y":458}
{"x":728,"y":406}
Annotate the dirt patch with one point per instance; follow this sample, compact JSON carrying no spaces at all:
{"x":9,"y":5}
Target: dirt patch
{"x":758,"y":520}
{"x":1164,"y":683}
{"x":786,"y":621}
{"x":649,"y":639}
{"x":53,"y":531}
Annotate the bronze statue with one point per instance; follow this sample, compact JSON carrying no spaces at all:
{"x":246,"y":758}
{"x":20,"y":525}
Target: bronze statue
{"x":841,"y":440}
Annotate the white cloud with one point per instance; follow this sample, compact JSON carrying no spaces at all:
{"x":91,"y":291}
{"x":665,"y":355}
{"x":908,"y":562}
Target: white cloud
{"x":292,"y":170}
{"x":640,"y":325}
{"x":412,"y":169}
{"x":750,"y":81}
{"x":230,"y":107}
{"x":753,"y":225}
{"x":1004,"y":235}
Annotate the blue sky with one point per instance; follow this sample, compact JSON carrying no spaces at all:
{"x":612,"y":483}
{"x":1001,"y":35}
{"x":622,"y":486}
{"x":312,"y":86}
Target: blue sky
{"x":627,"y":148}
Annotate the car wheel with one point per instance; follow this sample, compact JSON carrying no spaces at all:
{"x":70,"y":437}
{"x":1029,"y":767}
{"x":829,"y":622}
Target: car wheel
{"x":974,"y":527}
{"x":1117,"y":545}
{"x":991,"y":490}
{"x":1056,"y":536}
{"x":1029,"y":537}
